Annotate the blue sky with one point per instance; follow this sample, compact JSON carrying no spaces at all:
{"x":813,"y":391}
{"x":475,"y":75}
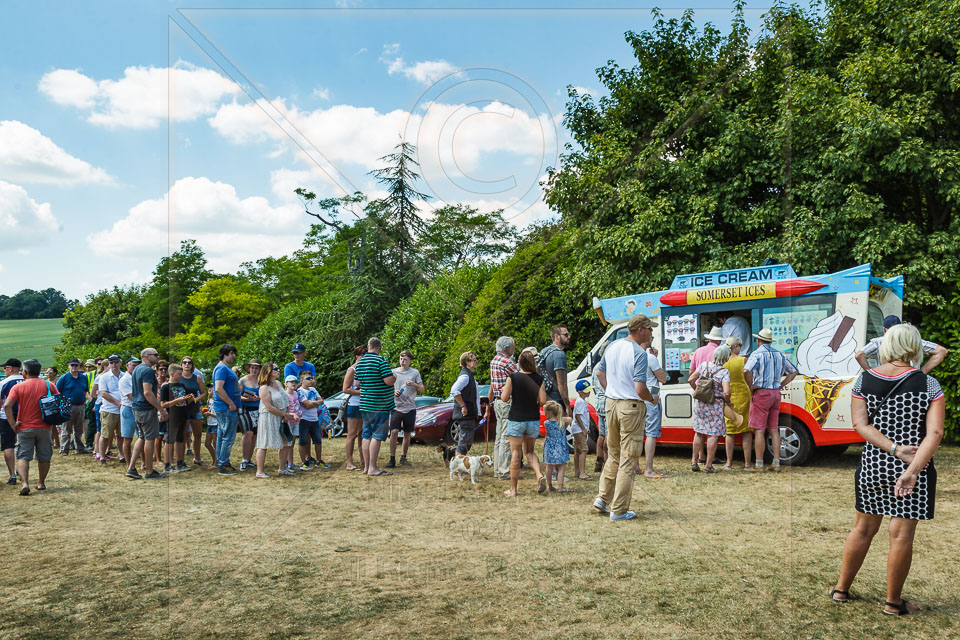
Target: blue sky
{"x":128,"y":126}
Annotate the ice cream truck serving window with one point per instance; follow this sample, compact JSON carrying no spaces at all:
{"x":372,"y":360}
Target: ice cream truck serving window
{"x":819,"y":322}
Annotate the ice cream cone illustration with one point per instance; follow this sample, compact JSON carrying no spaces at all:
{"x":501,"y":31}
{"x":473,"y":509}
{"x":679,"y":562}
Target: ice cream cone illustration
{"x":826,"y":360}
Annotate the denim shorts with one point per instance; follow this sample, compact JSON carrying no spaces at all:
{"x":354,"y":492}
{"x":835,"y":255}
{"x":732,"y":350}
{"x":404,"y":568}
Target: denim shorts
{"x":376,"y":425}
{"x":128,"y":424}
{"x":353,"y":411}
{"x":194,"y":413}
{"x":310,"y":430}
{"x":528,"y":428}
{"x":654,"y":420}
{"x":602,"y":424}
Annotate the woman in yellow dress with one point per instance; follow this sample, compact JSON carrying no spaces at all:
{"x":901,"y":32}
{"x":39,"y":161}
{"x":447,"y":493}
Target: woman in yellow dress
{"x":740,"y":399}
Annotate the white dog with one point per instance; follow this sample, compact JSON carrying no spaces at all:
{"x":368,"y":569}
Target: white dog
{"x":469,"y":464}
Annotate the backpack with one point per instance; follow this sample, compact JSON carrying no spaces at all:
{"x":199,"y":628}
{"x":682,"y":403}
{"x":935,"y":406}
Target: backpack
{"x":54,"y":409}
{"x":549,"y":383}
{"x":704,"y":390}
{"x":6,"y":387}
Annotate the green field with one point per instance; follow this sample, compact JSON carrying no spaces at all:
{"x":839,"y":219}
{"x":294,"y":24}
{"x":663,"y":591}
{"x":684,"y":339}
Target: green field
{"x":23,"y":339}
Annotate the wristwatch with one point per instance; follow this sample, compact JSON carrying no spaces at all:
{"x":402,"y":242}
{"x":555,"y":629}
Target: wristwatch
{"x":893,"y":449}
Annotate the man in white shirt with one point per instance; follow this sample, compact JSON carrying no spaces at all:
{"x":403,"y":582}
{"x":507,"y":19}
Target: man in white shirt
{"x":128,"y":423}
{"x":404,"y":415}
{"x":623,"y":374}
{"x":109,"y":388}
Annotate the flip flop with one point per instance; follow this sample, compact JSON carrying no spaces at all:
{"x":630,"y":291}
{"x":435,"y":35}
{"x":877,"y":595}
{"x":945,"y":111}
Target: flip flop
{"x":383,"y":473}
{"x":25,"y":491}
{"x":351,"y":468}
{"x":41,"y":487}
{"x":656,"y":476}
{"x":584,"y":478}
{"x":542,"y":484}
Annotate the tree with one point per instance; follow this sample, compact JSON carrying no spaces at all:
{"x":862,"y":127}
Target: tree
{"x":459,"y":235}
{"x":30,"y":304}
{"x":224,"y":310}
{"x":106,"y":317}
{"x":165,"y":308}
{"x":398,"y":209}
{"x":834,"y":140}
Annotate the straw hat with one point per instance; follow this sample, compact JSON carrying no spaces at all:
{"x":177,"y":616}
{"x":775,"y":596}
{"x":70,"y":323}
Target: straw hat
{"x":716,"y":333}
{"x":765,"y":335}
{"x":253,"y":361}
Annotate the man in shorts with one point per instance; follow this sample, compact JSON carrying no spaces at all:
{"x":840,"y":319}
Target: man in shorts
{"x":173,"y":398}
{"x":146,"y":407}
{"x":110,"y":407}
{"x":8,"y":437}
{"x":404,"y":414}
{"x":767,"y":372}
{"x":33,"y":434}
{"x":376,"y":401}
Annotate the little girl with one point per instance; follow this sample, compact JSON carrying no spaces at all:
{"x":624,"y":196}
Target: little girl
{"x":286,"y":453}
{"x":556,"y":452}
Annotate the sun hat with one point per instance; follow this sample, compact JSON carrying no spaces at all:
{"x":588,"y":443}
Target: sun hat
{"x":716,"y":333}
{"x":90,"y":363}
{"x":532,"y":351}
{"x":765,"y":335}
{"x":252,"y":362}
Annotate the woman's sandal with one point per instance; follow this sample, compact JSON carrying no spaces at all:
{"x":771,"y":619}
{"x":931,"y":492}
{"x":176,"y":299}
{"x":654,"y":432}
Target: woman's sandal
{"x":694,"y":466}
{"x":710,"y":470}
{"x":833,"y":595}
{"x":901,"y":609}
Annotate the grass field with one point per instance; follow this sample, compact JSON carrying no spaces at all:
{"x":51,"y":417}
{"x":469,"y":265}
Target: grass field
{"x":335,"y":554}
{"x":23,"y":339}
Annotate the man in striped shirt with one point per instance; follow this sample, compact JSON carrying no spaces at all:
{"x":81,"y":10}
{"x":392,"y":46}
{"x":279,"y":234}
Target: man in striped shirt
{"x":376,"y":380}
{"x":767,"y":372}
{"x":501,"y":367}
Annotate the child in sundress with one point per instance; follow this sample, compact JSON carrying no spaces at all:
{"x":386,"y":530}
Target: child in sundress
{"x":556,"y":451}
{"x":291,"y":384}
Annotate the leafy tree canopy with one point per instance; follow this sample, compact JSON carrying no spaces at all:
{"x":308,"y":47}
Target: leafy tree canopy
{"x":165,"y":308}
{"x":29,"y":304}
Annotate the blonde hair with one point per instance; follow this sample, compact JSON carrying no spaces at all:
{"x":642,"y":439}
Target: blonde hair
{"x":734,"y":341}
{"x":466,"y":357}
{"x":173,"y":368}
{"x":552,"y":410}
{"x":902,"y":342}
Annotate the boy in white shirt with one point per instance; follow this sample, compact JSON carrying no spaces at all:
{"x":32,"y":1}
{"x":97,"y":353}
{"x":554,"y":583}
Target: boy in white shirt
{"x":580,"y":427}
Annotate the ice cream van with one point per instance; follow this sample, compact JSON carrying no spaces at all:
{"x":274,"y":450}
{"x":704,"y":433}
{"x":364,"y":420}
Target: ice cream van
{"x":818,"y":321}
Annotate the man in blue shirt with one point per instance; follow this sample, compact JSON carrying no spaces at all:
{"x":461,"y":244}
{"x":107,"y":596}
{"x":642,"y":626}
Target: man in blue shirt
{"x":767,"y":372}
{"x":73,"y":384}
{"x":299,"y":364}
{"x":226,"y":398}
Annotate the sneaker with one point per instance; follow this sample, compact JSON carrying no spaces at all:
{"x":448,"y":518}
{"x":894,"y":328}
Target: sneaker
{"x":133,"y":475}
{"x":405,"y":462}
{"x":170,"y":469}
{"x":12,"y":480}
{"x":227,"y":471}
{"x":321,"y":464}
{"x":244,"y":465}
{"x":63,"y":453}
{"x":600,"y":505}
{"x":230,"y":467}
{"x":154,"y":475}
{"x":306,"y":467}
{"x":285,"y":472}
{"x":310,"y":461}
{"x":628,"y":515}
{"x":182,"y":467}
{"x":189,"y":452}
{"x":262,"y":475}
{"x":82,"y":452}
{"x":121,"y":460}
{"x":391,"y":463}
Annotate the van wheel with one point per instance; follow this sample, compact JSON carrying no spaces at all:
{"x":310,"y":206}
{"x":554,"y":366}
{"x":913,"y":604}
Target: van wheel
{"x":796,"y":445}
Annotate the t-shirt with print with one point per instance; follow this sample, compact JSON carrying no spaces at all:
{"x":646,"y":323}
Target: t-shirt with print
{"x":581,"y":415}
{"x":27,"y":395}
{"x":374,"y":394}
{"x":311,"y":395}
{"x":177,"y":415}
{"x":142,"y":375}
{"x":294,"y":407}
{"x":231,"y":387}
{"x":406,"y":401}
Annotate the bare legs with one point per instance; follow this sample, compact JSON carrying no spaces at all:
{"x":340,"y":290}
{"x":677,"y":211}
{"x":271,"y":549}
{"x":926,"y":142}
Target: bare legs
{"x":354,"y":426}
{"x":865,"y":527}
{"x":517,"y":446}
{"x":247,"y":445}
{"x":23,"y":466}
{"x":144,"y":447}
{"x":698,"y":440}
{"x":369,"y":450}
{"x":747,"y":449}
{"x":761,"y":442}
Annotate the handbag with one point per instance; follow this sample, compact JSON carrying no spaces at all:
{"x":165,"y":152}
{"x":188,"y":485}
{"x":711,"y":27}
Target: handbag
{"x":54,"y":409}
{"x":704,"y":390}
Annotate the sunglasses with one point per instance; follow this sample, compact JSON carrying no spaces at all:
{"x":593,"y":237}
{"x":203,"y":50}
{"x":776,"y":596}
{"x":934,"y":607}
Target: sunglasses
{"x":276,"y":368}
{"x":161,"y":368}
{"x":187,"y":362}
{"x":308,"y":377}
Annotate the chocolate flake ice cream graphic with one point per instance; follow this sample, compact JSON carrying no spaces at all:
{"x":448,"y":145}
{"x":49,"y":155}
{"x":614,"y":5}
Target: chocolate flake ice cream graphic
{"x":826,"y":360}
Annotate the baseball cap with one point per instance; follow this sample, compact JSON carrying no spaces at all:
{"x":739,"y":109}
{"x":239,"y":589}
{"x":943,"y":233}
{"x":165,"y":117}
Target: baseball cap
{"x":585,"y":386}
{"x":74,"y":361}
{"x":13,"y":362}
{"x":640,"y":320}
{"x":133,"y":359}
{"x":114,"y":358}
{"x":291,"y":378}
{"x":890,"y":322}
{"x":299,"y":348}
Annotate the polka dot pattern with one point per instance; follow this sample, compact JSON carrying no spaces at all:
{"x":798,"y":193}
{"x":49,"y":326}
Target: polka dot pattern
{"x":902,"y":418}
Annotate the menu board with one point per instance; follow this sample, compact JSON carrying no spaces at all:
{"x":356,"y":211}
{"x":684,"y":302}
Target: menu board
{"x":790,"y":325}
{"x":680,"y":340}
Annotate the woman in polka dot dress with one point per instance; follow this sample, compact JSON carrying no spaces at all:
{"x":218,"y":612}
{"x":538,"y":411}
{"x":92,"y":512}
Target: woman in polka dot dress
{"x":896,"y":476}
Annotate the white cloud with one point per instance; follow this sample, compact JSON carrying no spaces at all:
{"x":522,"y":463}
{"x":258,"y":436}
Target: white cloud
{"x":26,"y":155}
{"x":425,"y":72}
{"x":360,"y":50}
{"x":321,"y":92}
{"x":139,"y":99}
{"x":23,"y":222}
{"x":230,"y":229}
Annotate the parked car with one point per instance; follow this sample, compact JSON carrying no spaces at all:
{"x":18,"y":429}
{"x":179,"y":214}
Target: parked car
{"x":335,"y":403}
{"x":435,"y":422}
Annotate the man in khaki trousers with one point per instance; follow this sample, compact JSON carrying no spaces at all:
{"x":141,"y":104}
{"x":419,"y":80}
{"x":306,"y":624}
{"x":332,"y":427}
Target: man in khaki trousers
{"x":501,"y":367}
{"x":623,"y":373}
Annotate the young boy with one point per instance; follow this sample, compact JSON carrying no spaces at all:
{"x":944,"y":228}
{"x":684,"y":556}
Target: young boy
{"x":292,"y":385}
{"x":173,"y":399}
{"x":580,"y":427}
{"x":311,"y":402}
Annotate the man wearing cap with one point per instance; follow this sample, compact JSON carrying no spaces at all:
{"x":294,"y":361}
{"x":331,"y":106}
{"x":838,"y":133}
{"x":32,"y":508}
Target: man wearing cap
{"x":109,"y":386}
{"x":8,"y":437}
{"x":73,"y":384}
{"x":226,"y":398}
{"x":936,"y":352}
{"x":128,"y":424}
{"x":623,"y":374}
{"x":766,"y":372}
{"x":299,"y":363}
{"x":89,"y":414}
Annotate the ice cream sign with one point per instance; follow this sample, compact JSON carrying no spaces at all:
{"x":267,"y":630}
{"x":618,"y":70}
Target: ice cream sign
{"x":826,"y":360}
{"x":738,"y":292}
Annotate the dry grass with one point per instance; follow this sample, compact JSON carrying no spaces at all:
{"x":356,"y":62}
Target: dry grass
{"x":335,"y":554}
